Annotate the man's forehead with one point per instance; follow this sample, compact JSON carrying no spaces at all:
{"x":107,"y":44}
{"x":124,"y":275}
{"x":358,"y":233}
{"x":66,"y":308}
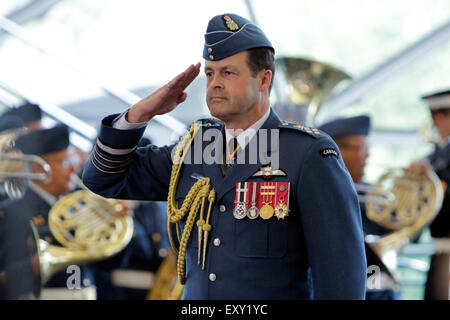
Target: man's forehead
{"x":58,"y":155}
{"x":235,"y":60}
{"x":352,"y":138}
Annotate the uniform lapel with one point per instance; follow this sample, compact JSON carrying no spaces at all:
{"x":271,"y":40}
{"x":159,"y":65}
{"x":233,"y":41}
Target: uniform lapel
{"x":241,"y":172}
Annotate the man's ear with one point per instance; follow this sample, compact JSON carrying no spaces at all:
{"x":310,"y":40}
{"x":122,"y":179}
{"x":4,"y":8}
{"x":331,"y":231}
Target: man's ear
{"x":437,"y":118}
{"x":266,"y":79}
{"x":36,"y":167}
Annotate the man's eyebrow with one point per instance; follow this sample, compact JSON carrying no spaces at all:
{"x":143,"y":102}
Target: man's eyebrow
{"x":228,"y":66}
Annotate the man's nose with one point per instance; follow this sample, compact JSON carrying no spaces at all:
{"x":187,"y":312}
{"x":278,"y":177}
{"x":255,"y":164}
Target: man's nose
{"x":215,"y":82}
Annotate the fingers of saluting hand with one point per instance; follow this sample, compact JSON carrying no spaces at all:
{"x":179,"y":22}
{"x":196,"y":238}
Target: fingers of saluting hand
{"x":181,"y":81}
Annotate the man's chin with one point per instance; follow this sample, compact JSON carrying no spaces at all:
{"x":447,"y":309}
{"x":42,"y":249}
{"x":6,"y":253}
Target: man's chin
{"x":218,"y":112}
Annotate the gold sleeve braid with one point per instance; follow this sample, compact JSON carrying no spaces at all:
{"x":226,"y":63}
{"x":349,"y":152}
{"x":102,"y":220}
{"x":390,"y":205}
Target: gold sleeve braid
{"x":194,"y":201}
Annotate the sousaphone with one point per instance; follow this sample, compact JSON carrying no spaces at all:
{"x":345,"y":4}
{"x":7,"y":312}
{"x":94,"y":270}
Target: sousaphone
{"x":303,"y":86}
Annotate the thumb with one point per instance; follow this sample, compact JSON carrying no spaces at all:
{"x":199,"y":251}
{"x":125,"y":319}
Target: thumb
{"x":182,"y":98}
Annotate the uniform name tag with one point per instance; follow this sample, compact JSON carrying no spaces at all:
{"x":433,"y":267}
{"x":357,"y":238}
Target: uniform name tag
{"x":328,"y":152}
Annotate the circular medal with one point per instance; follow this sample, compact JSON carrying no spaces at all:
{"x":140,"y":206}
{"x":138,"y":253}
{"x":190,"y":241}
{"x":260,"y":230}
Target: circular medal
{"x":253,"y":213}
{"x":266,"y":211}
{"x":281,"y":210}
{"x":240,"y":212}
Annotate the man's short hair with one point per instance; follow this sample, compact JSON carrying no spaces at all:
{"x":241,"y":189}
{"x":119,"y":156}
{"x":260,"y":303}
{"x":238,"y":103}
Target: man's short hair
{"x":261,"y":59}
{"x":444,"y":112}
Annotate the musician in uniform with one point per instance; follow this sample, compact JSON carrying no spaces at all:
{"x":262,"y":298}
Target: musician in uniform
{"x":351,"y":136}
{"x":29,"y":113}
{"x":437,"y":286}
{"x":52,"y":145}
{"x":276,"y":219}
{"x":9,"y":124}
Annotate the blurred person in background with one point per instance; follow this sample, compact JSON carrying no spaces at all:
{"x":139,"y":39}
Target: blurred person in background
{"x":351,"y":136}
{"x":437,"y":286}
{"x":53,"y":146}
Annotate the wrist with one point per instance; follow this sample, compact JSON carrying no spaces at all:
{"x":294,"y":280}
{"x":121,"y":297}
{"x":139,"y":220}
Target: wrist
{"x":135,"y":115}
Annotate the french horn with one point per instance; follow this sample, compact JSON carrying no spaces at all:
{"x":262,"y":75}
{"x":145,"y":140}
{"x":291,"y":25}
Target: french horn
{"x":89,"y":227}
{"x":403,"y":201}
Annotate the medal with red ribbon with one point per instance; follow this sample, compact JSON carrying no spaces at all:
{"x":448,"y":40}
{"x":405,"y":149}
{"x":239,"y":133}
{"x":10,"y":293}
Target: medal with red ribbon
{"x":253,"y":211}
{"x":241,"y":201}
{"x":282,"y":199}
{"x":266,"y":199}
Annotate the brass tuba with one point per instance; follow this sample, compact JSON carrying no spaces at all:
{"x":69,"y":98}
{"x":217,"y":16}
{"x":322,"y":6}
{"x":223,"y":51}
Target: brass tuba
{"x":404,"y":202}
{"x":90,"y":228}
{"x":307,"y":84}
{"x":167,"y":286}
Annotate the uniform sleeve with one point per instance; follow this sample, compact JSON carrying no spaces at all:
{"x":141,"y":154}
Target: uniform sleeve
{"x":331,"y":220}
{"x":118,"y":169}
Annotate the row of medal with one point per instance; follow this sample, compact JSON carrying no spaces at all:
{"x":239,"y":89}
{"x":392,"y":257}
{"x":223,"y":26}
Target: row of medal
{"x":261,"y":199}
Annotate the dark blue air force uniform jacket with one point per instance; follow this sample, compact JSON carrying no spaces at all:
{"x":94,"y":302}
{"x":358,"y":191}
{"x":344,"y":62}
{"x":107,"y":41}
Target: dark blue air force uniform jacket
{"x":317,"y":251}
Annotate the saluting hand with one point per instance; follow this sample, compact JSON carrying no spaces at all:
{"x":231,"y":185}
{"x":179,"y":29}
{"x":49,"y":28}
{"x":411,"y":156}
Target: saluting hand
{"x":165,"y":99}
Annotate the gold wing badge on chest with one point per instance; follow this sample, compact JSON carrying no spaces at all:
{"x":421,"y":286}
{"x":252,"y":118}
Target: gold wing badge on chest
{"x":261,"y":199}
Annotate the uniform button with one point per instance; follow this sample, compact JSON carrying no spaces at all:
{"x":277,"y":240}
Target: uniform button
{"x":216,"y":242}
{"x":211,"y":57}
{"x":209,"y":50}
{"x":212,"y":277}
{"x":222,"y":208}
{"x":162,"y":252}
{"x":86,"y":282}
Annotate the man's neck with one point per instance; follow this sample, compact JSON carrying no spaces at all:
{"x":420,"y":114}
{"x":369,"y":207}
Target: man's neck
{"x":42,"y":193}
{"x":47,"y":188}
{"x":245,"y":121}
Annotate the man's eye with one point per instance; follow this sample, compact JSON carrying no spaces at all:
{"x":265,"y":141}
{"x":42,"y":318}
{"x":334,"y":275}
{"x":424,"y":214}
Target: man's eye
{"x":208,"y":74}
{"x":228,"y":72}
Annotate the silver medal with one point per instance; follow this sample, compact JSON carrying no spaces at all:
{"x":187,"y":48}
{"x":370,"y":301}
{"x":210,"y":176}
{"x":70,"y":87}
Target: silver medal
{"x":253,"y":212}
{"x":240,"y":211}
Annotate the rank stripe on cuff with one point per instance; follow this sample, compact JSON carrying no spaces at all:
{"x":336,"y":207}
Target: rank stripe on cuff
{"x":112,"y":158}
{"x":104,"y":162}
{"x":109,"y":169}
{"x":114,"y":151}
{"x":108,"y":172}
{"x":110,"y":163}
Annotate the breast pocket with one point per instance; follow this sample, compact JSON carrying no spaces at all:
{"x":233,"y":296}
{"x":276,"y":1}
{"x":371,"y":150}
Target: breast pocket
{"x":260,"y":238}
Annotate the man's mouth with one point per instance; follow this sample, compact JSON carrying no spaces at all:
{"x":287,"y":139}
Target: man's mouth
{"x":217,"y":99}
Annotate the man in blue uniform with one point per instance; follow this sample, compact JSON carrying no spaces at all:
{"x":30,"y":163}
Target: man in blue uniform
{"x":438,"y":284}
{"x":8,"y":125}
{"x":284,"y":221}
{"x":29,"y":113}
{"x":350,"y":134}
{"x":52,"y":145}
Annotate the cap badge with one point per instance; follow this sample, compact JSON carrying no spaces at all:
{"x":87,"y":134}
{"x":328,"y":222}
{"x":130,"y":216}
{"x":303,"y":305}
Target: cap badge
{"x":231,"y":25}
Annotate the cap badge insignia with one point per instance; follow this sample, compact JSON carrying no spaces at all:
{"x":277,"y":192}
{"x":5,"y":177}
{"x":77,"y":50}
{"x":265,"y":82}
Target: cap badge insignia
{"x":231,"y":25}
